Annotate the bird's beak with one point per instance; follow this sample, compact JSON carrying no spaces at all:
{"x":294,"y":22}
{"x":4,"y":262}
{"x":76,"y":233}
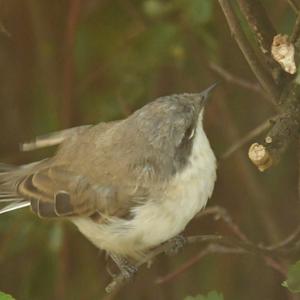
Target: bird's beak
{"x":205,"y":93}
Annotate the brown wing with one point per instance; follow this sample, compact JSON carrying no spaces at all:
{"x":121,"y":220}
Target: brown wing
{"x":95,"y":171}
{"x":56,"y":192}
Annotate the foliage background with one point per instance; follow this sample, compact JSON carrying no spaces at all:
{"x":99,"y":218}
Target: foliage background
{"x":65,"y":63}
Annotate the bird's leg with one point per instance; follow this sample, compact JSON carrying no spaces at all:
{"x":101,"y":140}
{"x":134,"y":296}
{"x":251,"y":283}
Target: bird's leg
{"x":127,"y":269}
{"x":176,"y":243}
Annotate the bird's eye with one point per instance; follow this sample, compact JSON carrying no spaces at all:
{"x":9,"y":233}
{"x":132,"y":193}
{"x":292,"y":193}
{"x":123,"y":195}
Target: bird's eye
{"x":191,"y":134}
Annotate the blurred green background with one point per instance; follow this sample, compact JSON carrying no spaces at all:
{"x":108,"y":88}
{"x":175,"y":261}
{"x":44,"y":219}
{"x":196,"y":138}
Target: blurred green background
{"x":66,"y":63}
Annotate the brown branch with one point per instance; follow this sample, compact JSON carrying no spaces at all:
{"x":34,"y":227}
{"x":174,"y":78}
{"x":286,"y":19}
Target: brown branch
{"x":216,"y":249}
{"x":248,"y":137}
{"x":293,"y":237}
{"x":213,"y":248}
{"x":252,"y":86}
{"x":119,"y":280}
{"x":286,"y":127}
{"x":220,"y":244}
{"x":296,"y":30}
{"x":258,"y":69}
{"x":210,"y":249}
{"x":294,"y":5}
{"x":220,"y":213}
{"x":217,"y":244}
{"x":261,"y":25}
{"x":276,"y":266}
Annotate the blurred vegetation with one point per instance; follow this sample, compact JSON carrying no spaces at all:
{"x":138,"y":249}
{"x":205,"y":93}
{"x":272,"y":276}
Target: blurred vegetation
{"x":66,"y":63}
{"x":5,"y":297}
{"x":210,"y":296}
{"x":293,"y":280}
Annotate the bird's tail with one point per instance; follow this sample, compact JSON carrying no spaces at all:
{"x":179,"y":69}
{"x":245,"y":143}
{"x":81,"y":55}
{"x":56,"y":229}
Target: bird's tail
{"x":10,"y":177}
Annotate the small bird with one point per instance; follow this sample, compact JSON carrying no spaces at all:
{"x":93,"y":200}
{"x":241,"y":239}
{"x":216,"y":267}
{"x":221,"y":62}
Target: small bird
{"x":128,"y":185}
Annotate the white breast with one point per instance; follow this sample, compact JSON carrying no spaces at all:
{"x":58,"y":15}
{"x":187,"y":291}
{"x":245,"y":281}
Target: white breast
{"x":160,"y":219}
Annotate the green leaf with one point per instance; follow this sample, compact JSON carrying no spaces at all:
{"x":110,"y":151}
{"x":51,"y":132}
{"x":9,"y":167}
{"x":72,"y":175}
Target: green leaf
{"x":5,"y":296}
{"x":293,"y":279}
{"x":213,"y":295}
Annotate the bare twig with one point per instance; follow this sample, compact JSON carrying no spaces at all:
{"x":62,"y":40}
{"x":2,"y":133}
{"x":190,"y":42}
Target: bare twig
{"x":275,"y":265}
{"x":248,"y":137}
{"x":215,"y":249}
{"x":294,"y":5}
{"x":258,"y":69}
{"x":259,"y":21}
{"x":216,"y":244}
{"x":294,"y":236}
{"x":252,"y":86}
{"x":120,"y":279}
{"x":220,"y":213}
{"x":286,"y":127}
{"x":210,"y":249}
{"x":296,"y":30}
{"x":261,"y":25}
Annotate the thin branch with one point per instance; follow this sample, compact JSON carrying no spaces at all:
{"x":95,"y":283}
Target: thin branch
{"x":229,"y":77}
{"x":220,"y":213}
{"x":294,"y":236}
{"x":248,"y":137}
{"x":258,"y":69}
{"x":296,"y":30}
{"x":276,"y":266}
{"x":262,"y":27}
{"x":210,"y":249}
{"x":294,"y":5}
{"x":286,"y":127}
{"x":215,"y":249}
{"x":120,"y":279}
{"x":217,"y":244}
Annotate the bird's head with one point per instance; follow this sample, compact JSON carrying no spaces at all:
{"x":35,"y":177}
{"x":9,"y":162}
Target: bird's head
{"x":172,"y":121}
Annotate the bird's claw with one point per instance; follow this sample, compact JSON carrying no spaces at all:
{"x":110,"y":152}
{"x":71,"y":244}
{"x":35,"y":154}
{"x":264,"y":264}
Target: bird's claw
{"x":176,"y":243}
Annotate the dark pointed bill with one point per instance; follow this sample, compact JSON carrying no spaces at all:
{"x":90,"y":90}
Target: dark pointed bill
{"x":206,"y":92}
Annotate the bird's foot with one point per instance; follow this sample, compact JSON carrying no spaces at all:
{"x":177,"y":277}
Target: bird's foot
{"x":128,"y":271}
{"x":126,"y":268}
{"x":176,"y":243}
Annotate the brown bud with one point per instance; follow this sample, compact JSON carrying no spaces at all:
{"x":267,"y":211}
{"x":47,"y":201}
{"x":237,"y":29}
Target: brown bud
{"x":260,"y":156}
{"x":283,"y":51}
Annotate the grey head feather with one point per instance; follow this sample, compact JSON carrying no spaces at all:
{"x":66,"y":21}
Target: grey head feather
{"x":166,"y":125}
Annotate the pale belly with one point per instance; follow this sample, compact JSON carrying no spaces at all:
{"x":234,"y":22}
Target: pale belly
{"x":158,"y":220}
